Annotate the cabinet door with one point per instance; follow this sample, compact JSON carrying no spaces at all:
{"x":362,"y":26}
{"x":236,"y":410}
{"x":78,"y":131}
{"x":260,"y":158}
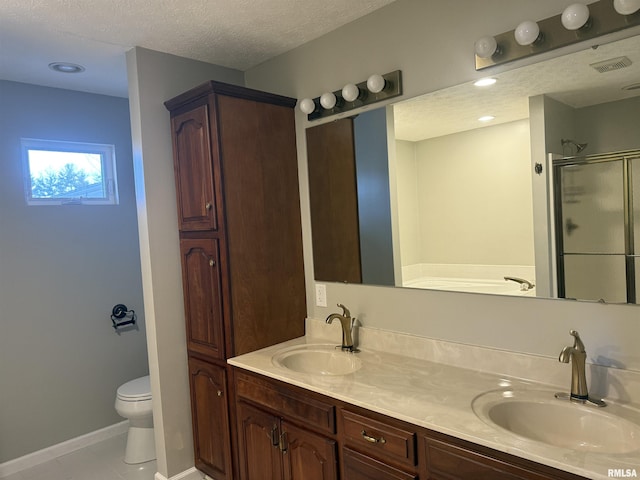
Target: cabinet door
{"x":307,"y":456}
{"x":202,"y":296}
{"x":194,"y":170}
{"x":210,"y":416}
{"x":259,"y":444}
{"x":357,"y":466}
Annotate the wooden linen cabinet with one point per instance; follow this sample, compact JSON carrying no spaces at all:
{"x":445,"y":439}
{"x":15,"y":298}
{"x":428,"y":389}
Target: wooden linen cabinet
{"x":240,"y":234}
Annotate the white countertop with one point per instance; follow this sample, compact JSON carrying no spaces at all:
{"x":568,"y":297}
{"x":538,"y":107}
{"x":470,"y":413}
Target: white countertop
{"x":435,"y":396}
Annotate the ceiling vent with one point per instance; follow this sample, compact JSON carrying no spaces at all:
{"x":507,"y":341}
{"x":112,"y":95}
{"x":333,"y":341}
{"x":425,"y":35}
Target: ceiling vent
{"x":611,"y":64}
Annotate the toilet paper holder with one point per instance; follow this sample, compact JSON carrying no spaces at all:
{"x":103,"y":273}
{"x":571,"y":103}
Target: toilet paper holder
{"x":121,"y":316}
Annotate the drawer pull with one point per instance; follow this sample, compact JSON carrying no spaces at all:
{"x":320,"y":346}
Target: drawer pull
{"x":371,"y":439}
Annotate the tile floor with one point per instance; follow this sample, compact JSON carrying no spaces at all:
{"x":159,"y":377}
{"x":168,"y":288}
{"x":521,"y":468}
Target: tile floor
{"x":101,"y":461}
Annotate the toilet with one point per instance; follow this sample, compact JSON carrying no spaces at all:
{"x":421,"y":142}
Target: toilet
{"x":133,"y":401}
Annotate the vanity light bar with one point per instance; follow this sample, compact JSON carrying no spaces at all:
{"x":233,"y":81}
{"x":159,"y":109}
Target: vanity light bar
{"x":553,"y":33}
{"x":375,"y":89}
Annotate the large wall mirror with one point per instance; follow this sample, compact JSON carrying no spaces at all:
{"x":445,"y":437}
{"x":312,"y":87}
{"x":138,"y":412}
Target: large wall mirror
{"x":424,"y":194}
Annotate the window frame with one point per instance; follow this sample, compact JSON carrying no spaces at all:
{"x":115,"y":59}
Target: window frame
{"x":108,"y":167}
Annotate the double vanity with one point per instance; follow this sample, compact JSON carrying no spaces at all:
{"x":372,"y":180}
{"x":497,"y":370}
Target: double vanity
{"x":392,"y":415}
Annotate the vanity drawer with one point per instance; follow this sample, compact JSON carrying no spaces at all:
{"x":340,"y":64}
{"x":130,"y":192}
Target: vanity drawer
{"x":446,"y":460}
{"x":285,"y":401}
{"x":378,"y":438}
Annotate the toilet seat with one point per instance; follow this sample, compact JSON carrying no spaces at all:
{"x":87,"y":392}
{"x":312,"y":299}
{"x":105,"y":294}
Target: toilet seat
{"x":136,"y":390}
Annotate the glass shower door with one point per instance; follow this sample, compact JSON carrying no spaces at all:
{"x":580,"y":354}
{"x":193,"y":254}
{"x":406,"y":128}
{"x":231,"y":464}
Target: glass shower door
{"x":590,"y":223}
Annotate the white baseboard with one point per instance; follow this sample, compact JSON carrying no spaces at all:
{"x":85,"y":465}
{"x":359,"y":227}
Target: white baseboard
{"x":59,"y":449}
{"x":192,"y":474}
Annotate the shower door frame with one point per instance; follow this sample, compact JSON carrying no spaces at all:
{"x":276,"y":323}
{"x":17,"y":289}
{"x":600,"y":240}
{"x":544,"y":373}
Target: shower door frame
{"x":630,"y":255}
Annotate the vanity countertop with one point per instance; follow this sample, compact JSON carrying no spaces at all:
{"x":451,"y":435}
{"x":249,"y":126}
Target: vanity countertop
{"x":434,"y":396}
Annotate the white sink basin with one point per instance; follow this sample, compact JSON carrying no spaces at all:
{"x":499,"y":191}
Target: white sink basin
{"x":318,"y":360}
{"x":537,"y":415}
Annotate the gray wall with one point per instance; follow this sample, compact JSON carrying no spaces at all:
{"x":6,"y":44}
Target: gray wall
{"x":609,"y":127}
{"x":62,"y":269}
{"x":374,"y":209}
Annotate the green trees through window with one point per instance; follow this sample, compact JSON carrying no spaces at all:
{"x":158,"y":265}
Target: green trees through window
{"x":64,"y":172}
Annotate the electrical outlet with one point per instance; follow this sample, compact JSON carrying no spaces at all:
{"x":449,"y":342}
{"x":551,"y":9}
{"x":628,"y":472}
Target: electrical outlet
{"x":321,"y":295}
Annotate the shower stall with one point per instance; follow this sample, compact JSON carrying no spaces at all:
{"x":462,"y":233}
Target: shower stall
{"x":597,"y":226}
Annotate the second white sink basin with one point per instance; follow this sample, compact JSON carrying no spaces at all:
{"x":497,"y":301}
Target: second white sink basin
{"x":318,"y":360}
{"x":537,"y":415}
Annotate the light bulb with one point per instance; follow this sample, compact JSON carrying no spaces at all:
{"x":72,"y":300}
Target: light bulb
{"x":486,"y":46}
{"x":527,"y":33}
{"x":375,"y":83}
{"x":626,"y":7}
{"x":350,"y":92}
{"x":575,"y":16}
{"x":307,"y":105}
{"x":328,"y":100}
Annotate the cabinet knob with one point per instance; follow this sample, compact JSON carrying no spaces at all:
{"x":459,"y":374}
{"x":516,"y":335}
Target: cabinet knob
{"x":371,"y":439}
{"x":219,"y":392}
{"x":208,"y":206}
{"x":212,"y":262}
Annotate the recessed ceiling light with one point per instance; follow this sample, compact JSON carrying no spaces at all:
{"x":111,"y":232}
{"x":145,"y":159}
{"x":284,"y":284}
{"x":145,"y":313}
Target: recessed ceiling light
{"x":485,"y":82}
{"x":486,"y":118}
{"x":64,"y":67}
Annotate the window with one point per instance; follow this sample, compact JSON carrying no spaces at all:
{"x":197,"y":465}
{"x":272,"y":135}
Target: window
{"x":68,"y":173}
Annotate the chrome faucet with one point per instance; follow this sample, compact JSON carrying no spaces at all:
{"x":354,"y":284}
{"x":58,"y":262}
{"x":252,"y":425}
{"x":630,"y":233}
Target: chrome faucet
{"x":577,"y":355}
{"x":524,"y":284}
{"x":347,"y":324}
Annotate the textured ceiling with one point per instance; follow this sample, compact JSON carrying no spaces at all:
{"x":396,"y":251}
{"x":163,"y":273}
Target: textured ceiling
{"x":232,"y":33}
{"x":568,"y":79}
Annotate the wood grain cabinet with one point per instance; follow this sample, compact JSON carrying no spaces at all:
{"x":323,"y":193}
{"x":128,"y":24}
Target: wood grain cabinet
{"x":289,"y":432}
{"x":238,"y":203}
{"x":284,"y":433}
{"x":209,"y":407}
{"x":273,"y":448}
{"x":387,"y":448}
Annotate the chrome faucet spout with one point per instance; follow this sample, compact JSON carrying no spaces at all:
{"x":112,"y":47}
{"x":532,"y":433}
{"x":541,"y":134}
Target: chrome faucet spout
{"x":347,"y":323}
{"x":577,"y":356}
{"x":524,"y":284}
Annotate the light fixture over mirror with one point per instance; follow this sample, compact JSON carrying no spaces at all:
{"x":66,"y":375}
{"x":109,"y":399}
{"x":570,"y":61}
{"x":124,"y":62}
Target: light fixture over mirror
{"x":578,"y":22}
{"x":375,"y":89}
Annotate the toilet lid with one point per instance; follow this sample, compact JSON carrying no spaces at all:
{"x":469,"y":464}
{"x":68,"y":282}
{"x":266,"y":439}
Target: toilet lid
{"x":137,"y":389}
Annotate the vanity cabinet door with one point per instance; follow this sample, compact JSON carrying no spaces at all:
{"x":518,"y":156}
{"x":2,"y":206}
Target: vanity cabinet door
{"x":201,"y":282}
{"x":194,"y":170}
{"x":307,"y":456}
{"x":210,"y":416}
{"x":259,"y":444}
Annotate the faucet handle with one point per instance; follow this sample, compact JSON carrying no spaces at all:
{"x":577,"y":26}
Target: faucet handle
{"x":345,"y":311}
{"x":577,"y":344}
